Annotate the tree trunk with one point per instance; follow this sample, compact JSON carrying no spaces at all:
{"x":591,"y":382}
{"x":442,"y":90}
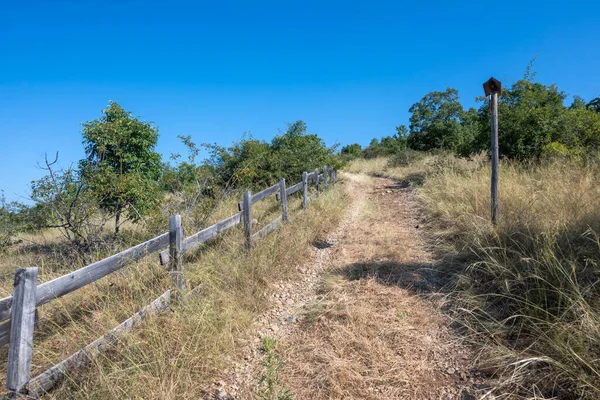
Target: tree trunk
{"x":117,"y":221}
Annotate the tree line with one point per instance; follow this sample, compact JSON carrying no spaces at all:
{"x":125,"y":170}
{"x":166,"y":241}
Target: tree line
{"x":123,"y":178}
{"x":534,"y":122}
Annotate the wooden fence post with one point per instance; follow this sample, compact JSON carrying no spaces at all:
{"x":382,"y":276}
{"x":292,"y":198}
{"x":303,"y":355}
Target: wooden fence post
{"x":304,"y":190}
{"x":317,"y":179}
{"x":247,"y":217}
{"x":283,"y":196}
{"x":21,"y":330}
{"x":325,"y":178}
{"x":175,"y":246}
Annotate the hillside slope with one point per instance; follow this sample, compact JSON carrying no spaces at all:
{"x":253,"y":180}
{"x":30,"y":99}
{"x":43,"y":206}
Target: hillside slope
{"x":358,"y":325}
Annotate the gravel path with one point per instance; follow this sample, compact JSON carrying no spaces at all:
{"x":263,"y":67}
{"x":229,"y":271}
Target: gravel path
{"x":356,"y":325}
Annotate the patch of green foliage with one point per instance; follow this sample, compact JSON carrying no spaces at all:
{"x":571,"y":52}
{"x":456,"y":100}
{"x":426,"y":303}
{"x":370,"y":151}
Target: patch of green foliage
{"x":121,"y":168}
{"x":270,"y":380}
{"x":8,"y":223}
{"x":351,"y":151}
{"x":253,"y":163}
{"x":534,"y":122}
{"x":123,"y":178}
{"x":388,"y":145}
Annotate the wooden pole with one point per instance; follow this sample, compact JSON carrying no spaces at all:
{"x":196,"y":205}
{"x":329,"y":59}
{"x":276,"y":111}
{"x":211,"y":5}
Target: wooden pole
{"x":21,"y":331}
{"x":495,"y":155}
{"x":325,"y":178}
{"x":283,"y":195}
{"x":175,"y":253}
{"x":304,"y":190}
{"x":317,"y":179}
{"x":247,"y":216}
{"x":493,"y":88}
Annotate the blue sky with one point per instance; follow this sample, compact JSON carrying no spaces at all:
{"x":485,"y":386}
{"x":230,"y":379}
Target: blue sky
{"x":215,"y":70}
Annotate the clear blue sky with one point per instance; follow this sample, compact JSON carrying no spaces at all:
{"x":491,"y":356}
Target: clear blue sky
{"x":217,"y":69}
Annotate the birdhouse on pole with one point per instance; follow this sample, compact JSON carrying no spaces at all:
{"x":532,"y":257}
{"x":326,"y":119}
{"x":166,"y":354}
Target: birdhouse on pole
{"x":492,"y":85}
{"x":493,"y":88}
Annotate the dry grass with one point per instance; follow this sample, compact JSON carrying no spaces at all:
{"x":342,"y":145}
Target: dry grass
{"x":366,"y":341}
{"x":368,"y":336}
{"x":526,"y":290}
{"x":174,"y":355}
{"x":367,"y":167}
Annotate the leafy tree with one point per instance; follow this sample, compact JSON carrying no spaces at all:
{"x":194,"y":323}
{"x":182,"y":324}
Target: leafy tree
{"x":185,"y":173}
{"x":435,"y":122}
{"x":16,"y":217}
{"x":594,"y":105}
{"x":533,"y":119}
{"x":193,"y":185}
{"x":256,"y":163}
{"x":579,"y":131}
{"x":470,"y":138}
{"x":401,"y":136}
{"x":296,"y":151}
{"x":8,"y":225}
{"x":578,"y":103}
{"x":373,"y":149}
{"x":243,"y":164}
{"x":121,"y":168}
{"x":351,"y":151}
{"x":531,"y":114}
{"x":388,"y":145}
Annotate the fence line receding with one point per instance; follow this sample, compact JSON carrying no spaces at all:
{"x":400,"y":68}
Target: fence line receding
{"x":17,"y":312}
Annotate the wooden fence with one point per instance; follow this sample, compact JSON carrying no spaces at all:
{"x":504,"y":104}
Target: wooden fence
{"x":18,"y":311}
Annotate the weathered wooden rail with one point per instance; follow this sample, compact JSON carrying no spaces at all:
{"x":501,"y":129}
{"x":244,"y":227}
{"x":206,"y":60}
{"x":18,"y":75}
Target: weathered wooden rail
{"x":17,"y":312}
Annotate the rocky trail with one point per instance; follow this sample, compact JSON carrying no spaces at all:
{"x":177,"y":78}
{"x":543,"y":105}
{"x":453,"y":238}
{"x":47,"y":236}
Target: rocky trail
{"x":364,"y":321}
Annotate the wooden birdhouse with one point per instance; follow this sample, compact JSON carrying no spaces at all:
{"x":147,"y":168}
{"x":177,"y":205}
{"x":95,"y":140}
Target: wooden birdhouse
{"x":491,"y":86}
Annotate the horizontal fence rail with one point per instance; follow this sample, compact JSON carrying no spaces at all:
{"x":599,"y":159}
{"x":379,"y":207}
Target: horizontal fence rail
{"x":204,"y":235}
{"x":49,"y":378}
{"x":21,"y":306}
{"x":270,"y":227}
{"x":84,"y":276}
{"x":291,"y":190}
{"x":263,"y":194}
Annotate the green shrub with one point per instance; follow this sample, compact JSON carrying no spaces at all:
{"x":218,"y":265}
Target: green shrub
{"x":257,"y":164}
{"x":6,"y":223}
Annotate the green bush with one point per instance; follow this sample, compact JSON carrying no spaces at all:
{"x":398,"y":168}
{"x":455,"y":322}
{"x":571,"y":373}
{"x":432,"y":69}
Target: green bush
{"x":6,"y":223}
{"x":351,"y":152}
{"x":252,"y":163}
{"x":534,"y":123}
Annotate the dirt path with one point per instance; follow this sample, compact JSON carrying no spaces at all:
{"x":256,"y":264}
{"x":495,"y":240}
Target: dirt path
{"x":356,"y":325}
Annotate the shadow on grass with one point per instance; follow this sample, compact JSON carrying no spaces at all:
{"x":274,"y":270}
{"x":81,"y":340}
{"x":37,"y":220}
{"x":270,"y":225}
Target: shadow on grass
{"x":398,"y":185}
{"x":416,"y":277}
{"x":416,"y":179}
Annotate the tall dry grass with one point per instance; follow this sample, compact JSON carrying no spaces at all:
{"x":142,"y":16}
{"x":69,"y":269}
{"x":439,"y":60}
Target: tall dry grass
{"x":175,"y":355}
{"x":526,"y":291}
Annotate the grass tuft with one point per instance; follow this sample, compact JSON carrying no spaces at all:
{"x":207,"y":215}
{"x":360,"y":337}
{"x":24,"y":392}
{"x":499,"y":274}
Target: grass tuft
{"x":526,"y":291}
{"x":175,"y":355}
